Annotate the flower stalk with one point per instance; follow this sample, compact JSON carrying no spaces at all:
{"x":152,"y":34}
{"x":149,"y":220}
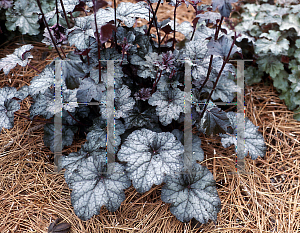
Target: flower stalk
{"x":219,"y":75}
{"x":47,"y":26}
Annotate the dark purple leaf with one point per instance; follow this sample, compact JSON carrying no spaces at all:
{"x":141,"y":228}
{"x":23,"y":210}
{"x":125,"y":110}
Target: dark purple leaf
{"x":106,"y":32}
{"x":167,"y":29}
{"x":99,"y":4}
{"x":80,"y":7}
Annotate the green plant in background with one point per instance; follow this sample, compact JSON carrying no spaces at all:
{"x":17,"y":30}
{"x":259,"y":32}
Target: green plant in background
{"x":275,"y":33}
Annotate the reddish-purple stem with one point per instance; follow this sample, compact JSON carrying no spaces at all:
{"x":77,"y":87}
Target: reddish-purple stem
{"x":34,"y":68}
{"x":97,"y":33}
{"x":219,"y":75}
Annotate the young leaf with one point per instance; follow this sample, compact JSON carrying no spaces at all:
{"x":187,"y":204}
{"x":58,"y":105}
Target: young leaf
{"x":5,"y":4}
{"x":92,"y":187}
{"x":192,"y":195}
{"x":224,"y":90}
{"x":106,"y":32}
{"x":150,"y":156}
{"x":221,"y":47}
{"x":224,"y":6}
{"x":254,"y":140}
{"x":169,"y":104}
{"x":20,"y":56}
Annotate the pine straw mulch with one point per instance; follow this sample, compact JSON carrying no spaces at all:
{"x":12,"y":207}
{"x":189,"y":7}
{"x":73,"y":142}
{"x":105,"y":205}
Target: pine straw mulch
{"x":265,"y":199}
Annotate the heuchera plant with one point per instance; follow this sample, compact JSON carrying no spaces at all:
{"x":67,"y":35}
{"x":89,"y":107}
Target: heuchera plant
{"x":273,"y":32}
{"x":149,"y":99}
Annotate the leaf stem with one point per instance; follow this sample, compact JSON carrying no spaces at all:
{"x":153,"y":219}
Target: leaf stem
{"x":45,"y":22}
{"x":65,"y":14}
{"x":57,"y":16}
{"x":98,"y":42}
{"x":115,"y":15}
{"x":194,"y":26}
{"x":155,"y":82}
{"x":75,"y":119}
{"x":174,"y":24}
{"x":150,"y":23}
{"x":211,"y":57}
{"x":155,"y":23}
{"x":219,"y":75}
{"x":34,"y":68}
{"x":63,"y":52}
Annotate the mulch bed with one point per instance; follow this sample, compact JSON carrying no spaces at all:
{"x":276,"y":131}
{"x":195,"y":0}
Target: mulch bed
{"x":265,"y":199}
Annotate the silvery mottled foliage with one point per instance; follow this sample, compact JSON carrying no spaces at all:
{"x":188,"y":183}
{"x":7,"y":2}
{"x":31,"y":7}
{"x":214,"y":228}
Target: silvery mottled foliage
{"x":123,"y":102}
{"x":254,"y":140}
{"x":92,"y":186}
{"x":165,"y":82}
{"x":150,"y":156}
{"x":45,"y":105}
{"x":7,"y":107}
{"x":136,"y":118}
{"x":198,"y":153}
{"x":97,"y":136}
{"x":23,"y":92}
{"x":41,"y":82}
{"x":211,"y":17}
{"x":66,"y":139}
{"x":89,"y":90}
{"x":224,"y":90}
{"x":221,"y":47}
{"x":169,"y":104}
{"x":20,"y":56}
{"x":272,"y":44}
{"x":24,"y":16}
{"x":127,"y":12}
{"x":80,"y":33}
{"x":192,"y":195}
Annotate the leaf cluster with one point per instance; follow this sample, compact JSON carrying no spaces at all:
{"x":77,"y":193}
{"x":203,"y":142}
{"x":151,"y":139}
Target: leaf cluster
{"x":149,"y":102}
